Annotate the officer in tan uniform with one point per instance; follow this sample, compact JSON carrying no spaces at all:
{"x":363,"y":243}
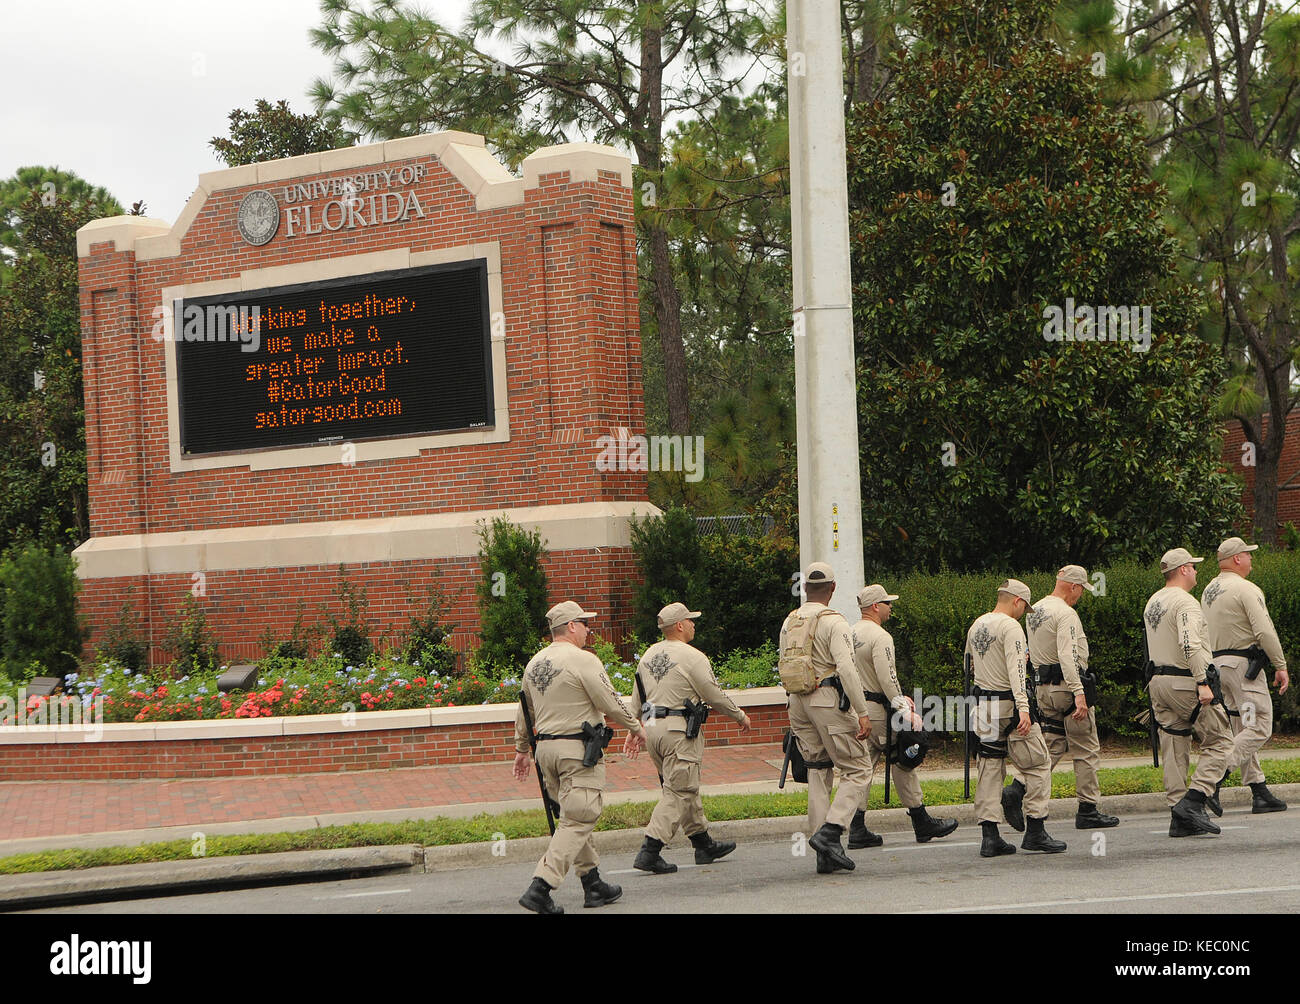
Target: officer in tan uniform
{"x":566,"y":688}
{"x":824,"y":732}
{"x":873,"y":656}
{"x":1242,"y":636}
{"x":674,"y":679}
{"x":1181,"y":698}
{"x":1058,"y":651}
{"x":996,"y":643}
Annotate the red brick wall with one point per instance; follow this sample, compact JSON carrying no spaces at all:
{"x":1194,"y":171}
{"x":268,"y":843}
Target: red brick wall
{"x":572,"y":370}
{"x":312,"y":754}
{"x":1288,"y":502}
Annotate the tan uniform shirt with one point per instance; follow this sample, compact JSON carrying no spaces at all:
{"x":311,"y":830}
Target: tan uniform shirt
{"x":1176,"y":634}
{"x":1056,"y":636}
{"x":1236,"y":617}
{"x":997,"y":645}
{"x":673,"y":672}
{"x":566,"y":686}
{"x":832,"y":653}
{"x":873,"y":656}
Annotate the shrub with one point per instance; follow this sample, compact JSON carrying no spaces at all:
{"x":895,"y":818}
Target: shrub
{"x":192,"y":639}
{"x":38,"y":611}
{"x":512,"y":594}
{"x":425,"y":643}
{"x":741,"y":584}
{"x":293,"y":647}
{"x":123,"y":642}
{"x":350,"y":636}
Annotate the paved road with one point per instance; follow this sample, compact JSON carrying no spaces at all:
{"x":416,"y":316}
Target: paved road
{"x":1250,"y":868}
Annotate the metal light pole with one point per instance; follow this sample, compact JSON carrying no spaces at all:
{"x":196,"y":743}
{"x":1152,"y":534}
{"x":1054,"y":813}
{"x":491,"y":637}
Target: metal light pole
{"x":830,"y":504}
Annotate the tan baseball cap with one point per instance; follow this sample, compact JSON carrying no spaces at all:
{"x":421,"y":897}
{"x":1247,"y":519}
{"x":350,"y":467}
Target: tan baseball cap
{"x":675,"y":612}
{"x":1177,"y":558}
{"x":562,"y":613}
{"x":872,"y":594}
{"x":819,"y":572}
{"x":1233,"y":546}
{"x":1016,"y":588}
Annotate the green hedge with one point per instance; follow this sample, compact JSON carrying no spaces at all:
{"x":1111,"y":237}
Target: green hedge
{"x":934,"y":611}
{"x":741,"y":583}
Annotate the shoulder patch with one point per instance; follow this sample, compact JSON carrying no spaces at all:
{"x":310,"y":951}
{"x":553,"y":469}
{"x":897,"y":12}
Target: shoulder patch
{"x":1035,"y":618}
{"x":1212,"y":592}
{"x":1155,"y":612}
{"x":981,"y":639}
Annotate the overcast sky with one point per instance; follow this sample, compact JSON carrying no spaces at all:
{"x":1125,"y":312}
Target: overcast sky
{"x":127,"y":93}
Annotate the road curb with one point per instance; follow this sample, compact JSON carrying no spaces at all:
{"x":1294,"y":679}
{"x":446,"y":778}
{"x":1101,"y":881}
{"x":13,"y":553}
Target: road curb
{"x":41,"y":889}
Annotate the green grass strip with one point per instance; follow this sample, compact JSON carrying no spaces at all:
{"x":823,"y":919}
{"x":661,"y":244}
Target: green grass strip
{"x":532,"y":822}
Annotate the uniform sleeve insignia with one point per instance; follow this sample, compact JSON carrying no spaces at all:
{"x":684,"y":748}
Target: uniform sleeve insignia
{"x":1211,"y":593}
{"x":541,"y":675}
{"x":981,"y":639}
{"x":1154,"y":613}
{"x":659,"y":665}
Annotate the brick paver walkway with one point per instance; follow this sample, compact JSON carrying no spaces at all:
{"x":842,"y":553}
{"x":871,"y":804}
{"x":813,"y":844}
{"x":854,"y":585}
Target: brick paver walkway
{"x":41,"y":809}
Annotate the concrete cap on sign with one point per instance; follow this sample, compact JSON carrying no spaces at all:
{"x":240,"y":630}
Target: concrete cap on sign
{"x":675,"y":612}
{"x":1234,"y":546}
{"x":562,"y":613}
{"x":872,"y":594}
{"x":1177,"y":558}
{"x":1016,"y":588}
{"x":819,"y":572}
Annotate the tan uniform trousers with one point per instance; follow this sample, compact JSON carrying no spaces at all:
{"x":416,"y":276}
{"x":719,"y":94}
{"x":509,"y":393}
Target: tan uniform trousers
{"x":909,"y":788}
{"x":1027,"y":753}
{"x":677,"y":759}
{"x":826,"y":733}
{"x":1252,"y":728}
{"x":1173,"y":698}
{"x":1080,"y":740}
{"x":578,"y":790}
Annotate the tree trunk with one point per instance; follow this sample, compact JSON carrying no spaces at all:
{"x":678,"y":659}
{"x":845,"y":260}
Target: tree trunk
{"x":1267,"y":457}
{"x":667,"y":301}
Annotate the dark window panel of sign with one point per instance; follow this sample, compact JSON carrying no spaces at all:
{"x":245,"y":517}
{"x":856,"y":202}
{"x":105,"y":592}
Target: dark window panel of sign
{"x":371,"y":357}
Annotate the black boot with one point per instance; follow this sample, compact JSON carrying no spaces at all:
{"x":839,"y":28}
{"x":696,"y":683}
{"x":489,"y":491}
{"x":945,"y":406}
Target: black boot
{"x":824,"y":866}
{"x":537,"y":897}
{"x":926,"y":826}
{"x":1190,"y":812}
{"x":1213,"y":800}
{"x":993,"y":844}
{"x":1037,"y":839}
{"x":859,"y":835}
{"x":826,"y":841}
{"x":1012,"y":797}
{"x":1264,"y":800}
{"x":1088,"y":818}
{"x":1178,"y":828}
{"x":648,"y":858}
{"x":599,"y":893}
{"x":708,"y":850}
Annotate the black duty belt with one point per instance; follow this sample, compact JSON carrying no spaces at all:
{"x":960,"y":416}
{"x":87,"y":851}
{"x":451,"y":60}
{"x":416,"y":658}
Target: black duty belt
{"x":1245,"y":653}
{"x":1005,"y":695}
{"x":1171,"y":671}
{"x":544,"y":737}
{"x":877,"y":696}
{"x":665,"y":712}
{"x":1053,"y":725}
{"x":832,"y":681}
{"x":1050,"y":674}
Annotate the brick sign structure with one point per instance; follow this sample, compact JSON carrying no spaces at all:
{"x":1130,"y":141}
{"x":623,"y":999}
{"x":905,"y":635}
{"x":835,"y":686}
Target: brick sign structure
{"x":351,"y":358}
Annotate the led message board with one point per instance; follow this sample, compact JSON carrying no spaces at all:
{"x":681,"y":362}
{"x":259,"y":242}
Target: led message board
{"x":389,"y":354}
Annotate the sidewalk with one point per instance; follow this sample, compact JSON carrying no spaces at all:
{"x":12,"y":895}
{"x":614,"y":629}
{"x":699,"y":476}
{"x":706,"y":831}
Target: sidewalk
{"x":60,"y":814}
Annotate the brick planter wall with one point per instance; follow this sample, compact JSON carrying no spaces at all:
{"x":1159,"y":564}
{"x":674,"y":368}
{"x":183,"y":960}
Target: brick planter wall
{"x":277,"y":747}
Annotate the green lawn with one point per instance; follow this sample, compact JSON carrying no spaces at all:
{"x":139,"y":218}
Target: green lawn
{"x":532,"y":822}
